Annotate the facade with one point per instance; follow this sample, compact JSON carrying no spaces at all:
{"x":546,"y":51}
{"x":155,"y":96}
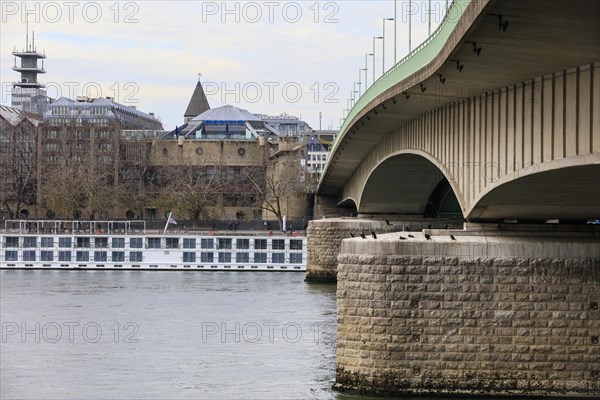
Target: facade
{"x":318,"y":144}
{"x":286,"y":125}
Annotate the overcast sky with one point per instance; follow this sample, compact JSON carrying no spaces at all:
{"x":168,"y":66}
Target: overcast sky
{"x":299,"y":57}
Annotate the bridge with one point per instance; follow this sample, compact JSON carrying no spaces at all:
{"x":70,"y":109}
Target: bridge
{"x":493,"y":121}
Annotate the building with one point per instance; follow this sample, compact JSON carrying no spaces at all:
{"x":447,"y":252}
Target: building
{"x":198,"y":103}
{"x":286,"y":125}
{"x":28,"y":94}
{"x":318,"y":144}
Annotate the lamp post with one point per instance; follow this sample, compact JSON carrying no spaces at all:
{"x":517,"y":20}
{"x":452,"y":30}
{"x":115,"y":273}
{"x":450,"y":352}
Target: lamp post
{"x":375,"y":38}
{"x":395,"y":28}
{"x":367,"y":68}
{"x":383,"y":53}
{"x":360,"y":70}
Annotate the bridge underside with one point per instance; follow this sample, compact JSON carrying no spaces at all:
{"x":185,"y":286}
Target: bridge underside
{"x":566,"y":193}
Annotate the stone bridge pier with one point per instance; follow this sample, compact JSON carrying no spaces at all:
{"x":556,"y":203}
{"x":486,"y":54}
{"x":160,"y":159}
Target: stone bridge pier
{"x":490,"y":310}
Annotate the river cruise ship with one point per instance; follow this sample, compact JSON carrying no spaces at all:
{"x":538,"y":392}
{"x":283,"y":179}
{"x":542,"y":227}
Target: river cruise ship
{"x":128,"y":245}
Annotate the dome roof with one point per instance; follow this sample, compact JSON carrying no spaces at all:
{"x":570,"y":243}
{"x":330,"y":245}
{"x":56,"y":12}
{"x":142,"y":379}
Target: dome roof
{"x":226,"y":113}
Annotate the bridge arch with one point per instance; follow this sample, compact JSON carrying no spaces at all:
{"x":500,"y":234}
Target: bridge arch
{"x":413,"y":176}
{"x":557,"y":189}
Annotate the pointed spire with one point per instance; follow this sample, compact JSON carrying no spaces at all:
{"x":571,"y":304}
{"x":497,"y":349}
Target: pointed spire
{"x":198,"y":103}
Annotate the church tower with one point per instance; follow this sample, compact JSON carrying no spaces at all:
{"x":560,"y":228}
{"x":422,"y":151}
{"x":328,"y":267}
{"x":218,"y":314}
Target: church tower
{"x":198,"y":103}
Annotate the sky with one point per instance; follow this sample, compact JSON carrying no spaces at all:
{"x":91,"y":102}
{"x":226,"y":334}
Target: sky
{"x":302,"y":58}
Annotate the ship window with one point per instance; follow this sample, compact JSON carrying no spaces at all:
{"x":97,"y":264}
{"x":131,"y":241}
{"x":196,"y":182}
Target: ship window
{"x":29,"y":241}
{"x":189,"y":257}
{"x":64,"y":256}
{"x":260,"y":244}
{"x":206,"y":257}
{"x":29,"y":255}
{"x":12,"y":241}
{"x":154,"y":243}
{"x":172,"y":243}
{"x":101,"y":242}
{"x":295,"y":244}
{"x":135,"y":243}
{"x":295,"y":258}
{"x":118,"y":243}
{"x":118,"y":256}
{"x":100,"y":256}
{"x":224,"y":243}
{"x":11,"y":255}
{"x":260,"y":257}
{"x":243,"y":244}
{"x":242,"y":257}
{"x":47,"y":242}
{"x":278,"y":257}
{"x":207,"y":243}
{"x":64,"y":242}
{"x":278,"y":244}
{"x":82,"y":256}
{"x":47,"y":255}
{"x":135,"y":256}
{"x":189,"y":243}
{"x":225,"y":257}
{"x":83,"y":242}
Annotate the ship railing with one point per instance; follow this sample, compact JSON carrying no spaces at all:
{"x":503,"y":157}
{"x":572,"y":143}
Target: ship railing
{"x":74,"y":227}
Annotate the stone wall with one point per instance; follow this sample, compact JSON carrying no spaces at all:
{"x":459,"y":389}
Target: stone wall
{"x":479,"y":314}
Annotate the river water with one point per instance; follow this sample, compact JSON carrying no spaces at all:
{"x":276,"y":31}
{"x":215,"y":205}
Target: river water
{"x":167,"y":335}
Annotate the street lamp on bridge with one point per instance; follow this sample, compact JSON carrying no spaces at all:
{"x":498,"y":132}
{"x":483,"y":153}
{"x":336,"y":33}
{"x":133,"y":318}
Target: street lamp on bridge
{"x":375,"y":38}
{"x":383,"y":55}
{"x":366,"y":68}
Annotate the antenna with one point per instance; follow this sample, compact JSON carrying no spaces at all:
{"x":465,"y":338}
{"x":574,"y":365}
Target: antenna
{"x":33,"y":40}
{"x":26,"y":32}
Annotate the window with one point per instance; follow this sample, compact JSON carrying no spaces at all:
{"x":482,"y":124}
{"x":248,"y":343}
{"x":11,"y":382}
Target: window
{"x":278,"y":244}
{"x":207,"y":243}
{"x":154,"y":243}
{"x":295,"y":244}
{"x":11,"y":255}
{"x":29,"y":255}
{"x":172,"y":243}
{"x":206,"y":257}
{"x":29,"y":241}
{"x":47,"y":242}
{"x":242,"y":244}
{"x":135,"y":256}
{"x":295,"y":258}
{"x":83,"y":242}
{"x":118,"y":256}
{"x":82,"y":256}
{"x":260,"y":257}
{"x":189,"y":243}
{"x":242,"y":257}
{"x":118,"y":243}
{"x":12,"y":241}
{"x":224,"y":257}
{"x":260,"y":244}
{"x":224,"y":243}
{"x":278,"y":257}
{"x":136,"y":243}
{"x":64,"y":242}
{"x":101,"y":242}
{"x":64,"y":256}
{"x":100,"y":256}
{"x":47,"y":255}
{"x":189,"y":257}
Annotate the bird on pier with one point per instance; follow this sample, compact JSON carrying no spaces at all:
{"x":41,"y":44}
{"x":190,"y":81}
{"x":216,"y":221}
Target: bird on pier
{"x":452,"y":237}
{"x":387,"y":222}
{"x":351,"y":234}
{"x":402,"y":237}
{"x":427,"y":236}
{"x":373,"y":234}
{"x":362,"y":235}
{"x":410,"y":236}
{"x":447,"y":226}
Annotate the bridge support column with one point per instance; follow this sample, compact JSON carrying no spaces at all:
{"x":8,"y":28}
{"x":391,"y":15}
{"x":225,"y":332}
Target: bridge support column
{"x":487,"y":313}
{"x":326,"y":235}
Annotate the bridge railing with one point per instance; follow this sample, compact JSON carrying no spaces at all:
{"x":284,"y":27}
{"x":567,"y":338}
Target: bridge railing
{"x":411,"y":63}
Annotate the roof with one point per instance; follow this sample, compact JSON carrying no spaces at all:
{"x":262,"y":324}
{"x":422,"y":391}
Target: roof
{"x":227,"y":113}
{"x":198,"y":103}
{"x":15,"y":116}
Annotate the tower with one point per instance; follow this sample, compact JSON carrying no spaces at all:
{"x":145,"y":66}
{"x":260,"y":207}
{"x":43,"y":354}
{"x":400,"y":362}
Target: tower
{"x":198,"y":103}
{"x":28,"y":94}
